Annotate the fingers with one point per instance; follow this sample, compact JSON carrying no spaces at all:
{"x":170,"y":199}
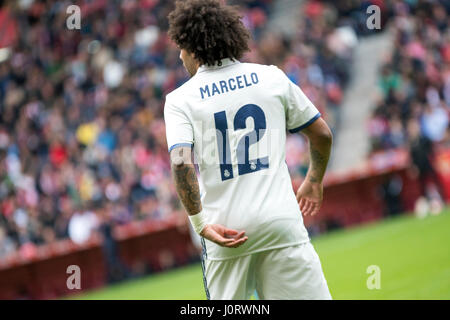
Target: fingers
{"x":230,"y":233}
{"x":315,"y":209}
{"x":232,"y":242}
{"x":301,"y":203}
{"x":308,"y":207}
{"x":237,"y":240}
{"x":312,"y":208}
{"x":221,"y":241}
{"x":224,"y":237}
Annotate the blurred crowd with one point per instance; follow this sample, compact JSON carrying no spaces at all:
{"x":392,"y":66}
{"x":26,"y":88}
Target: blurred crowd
{"x":413,"y":110}
{"x":415,"y":79}
{"x":81,"y":111}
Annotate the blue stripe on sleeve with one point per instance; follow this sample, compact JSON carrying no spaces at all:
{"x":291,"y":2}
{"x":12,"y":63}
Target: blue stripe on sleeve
{"x":303,"y":126}
{"x":180,"y":145}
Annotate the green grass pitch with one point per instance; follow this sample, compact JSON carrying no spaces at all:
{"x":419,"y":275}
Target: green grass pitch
{"x":413,"y":256}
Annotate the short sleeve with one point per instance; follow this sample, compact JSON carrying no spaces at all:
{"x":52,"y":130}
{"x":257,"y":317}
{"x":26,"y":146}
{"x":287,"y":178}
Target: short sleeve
{"x":179,"y":130}
{"x":300,"y":111}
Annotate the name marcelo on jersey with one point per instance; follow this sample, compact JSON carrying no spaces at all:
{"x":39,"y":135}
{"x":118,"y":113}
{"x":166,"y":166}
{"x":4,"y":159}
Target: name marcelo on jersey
{"x":231,"y":84}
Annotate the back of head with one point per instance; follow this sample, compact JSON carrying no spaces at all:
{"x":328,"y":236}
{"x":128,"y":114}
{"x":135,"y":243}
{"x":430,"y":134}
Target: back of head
{"x":209,"y":30}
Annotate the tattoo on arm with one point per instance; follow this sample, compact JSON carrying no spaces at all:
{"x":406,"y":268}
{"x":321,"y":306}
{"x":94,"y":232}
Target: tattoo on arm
{"x":187,"y":187}
{"x":320,"y":142}
{"x":319,"y":160}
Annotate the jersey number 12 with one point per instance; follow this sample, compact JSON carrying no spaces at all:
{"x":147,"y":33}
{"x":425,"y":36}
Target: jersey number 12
{"x":245,"y":165}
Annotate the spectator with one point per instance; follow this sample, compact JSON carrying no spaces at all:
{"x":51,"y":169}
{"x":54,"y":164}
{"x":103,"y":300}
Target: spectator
{"x":421,"y":152}
{"x":81,"y":226}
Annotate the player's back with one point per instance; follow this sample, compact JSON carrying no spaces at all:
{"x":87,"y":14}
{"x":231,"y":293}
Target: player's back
{"x":236,"y":115}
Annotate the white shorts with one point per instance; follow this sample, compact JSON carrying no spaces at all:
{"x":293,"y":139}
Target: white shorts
{"x":290,"y":273}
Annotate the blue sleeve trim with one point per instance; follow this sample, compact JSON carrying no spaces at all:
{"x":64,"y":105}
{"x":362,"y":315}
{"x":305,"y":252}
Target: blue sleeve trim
{"x":303,"y":126}
{"x":180,"y":145}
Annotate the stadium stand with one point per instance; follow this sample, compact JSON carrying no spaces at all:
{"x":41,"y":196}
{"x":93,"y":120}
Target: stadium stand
{"x":412,"y":112}
{"x":415,"y":79}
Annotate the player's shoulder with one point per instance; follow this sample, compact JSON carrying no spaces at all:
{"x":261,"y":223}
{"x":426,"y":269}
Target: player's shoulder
{"x":177,"y":94}
{"x":180,"y":95}
{"x":270,"y":73}
{"x":270,"y":69}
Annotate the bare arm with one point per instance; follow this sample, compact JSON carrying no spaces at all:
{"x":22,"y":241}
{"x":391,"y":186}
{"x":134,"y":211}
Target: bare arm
{"x":185,"y":178}
{"x":320,"y":141}
{"x":186,"y":183}
{"x":310,"y":193}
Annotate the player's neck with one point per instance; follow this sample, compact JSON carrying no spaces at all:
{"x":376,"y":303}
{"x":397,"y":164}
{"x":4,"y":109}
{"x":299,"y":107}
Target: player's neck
{"x":217,"y":64}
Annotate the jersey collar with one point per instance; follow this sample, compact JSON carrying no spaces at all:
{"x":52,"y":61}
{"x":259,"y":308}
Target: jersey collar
{"x":225,"y":63}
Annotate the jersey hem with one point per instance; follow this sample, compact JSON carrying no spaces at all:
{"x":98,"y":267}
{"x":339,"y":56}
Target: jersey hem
{"x":259,"y":250}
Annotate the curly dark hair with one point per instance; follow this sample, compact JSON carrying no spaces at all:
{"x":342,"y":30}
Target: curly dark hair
{"x":209,"y":30}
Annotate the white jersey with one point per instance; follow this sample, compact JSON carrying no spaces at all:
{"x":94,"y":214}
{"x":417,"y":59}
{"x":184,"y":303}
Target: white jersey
{"x":235,"y":116}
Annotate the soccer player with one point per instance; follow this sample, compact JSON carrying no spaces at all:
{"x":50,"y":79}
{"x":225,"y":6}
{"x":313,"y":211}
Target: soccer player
{"x":233,"y":117}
